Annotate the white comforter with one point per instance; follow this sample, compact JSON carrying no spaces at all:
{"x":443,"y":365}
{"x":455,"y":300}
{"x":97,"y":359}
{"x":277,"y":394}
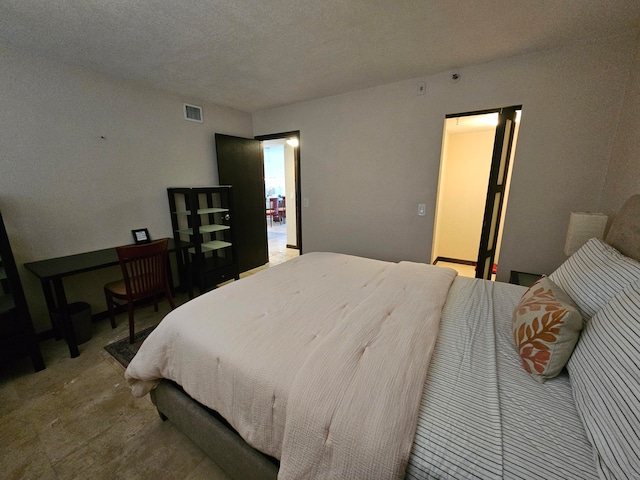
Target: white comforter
{"x":319,"y":362}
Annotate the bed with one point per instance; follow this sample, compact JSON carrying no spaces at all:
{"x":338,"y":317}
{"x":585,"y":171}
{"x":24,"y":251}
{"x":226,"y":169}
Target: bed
{"x":334,"y":366}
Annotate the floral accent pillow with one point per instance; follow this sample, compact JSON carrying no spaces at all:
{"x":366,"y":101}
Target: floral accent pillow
{"x":546,"y":328}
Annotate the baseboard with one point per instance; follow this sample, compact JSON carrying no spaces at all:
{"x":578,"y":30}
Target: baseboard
{"x":455,"y":260}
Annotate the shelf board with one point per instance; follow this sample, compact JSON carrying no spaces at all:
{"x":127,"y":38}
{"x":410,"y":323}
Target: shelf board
{"x":210,"y":246}
{"x":213,"y":228}
{"x":206,"y":229}
{"x":203,"y":211}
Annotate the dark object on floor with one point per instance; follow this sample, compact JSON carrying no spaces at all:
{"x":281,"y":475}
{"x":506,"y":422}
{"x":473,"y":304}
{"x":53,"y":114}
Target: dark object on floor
{"x":123,"y":351}
{"x":17,"y":335}
{"x":78,"y":314}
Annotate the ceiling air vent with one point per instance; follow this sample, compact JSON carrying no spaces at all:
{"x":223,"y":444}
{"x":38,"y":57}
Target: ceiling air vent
{"x":192,"y":113}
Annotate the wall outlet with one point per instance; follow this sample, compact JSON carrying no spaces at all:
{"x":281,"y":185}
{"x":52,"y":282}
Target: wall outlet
{"x":422,"y":209}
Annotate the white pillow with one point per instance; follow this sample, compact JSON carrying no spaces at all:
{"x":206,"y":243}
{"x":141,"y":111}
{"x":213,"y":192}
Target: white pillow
{"x":594,"y":274}
{"x":605,"y":376}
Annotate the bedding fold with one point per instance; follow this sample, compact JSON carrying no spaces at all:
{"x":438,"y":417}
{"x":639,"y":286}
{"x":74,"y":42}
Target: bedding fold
{"x":348,"y":342}
{"x":459,"y":432}
{"x":362,"y":384}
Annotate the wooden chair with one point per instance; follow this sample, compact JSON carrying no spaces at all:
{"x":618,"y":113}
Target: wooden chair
{"x":269,"y":211}
{"x":144,"y":271}
{"x":272,"y":210}
{"x":282,"y":209}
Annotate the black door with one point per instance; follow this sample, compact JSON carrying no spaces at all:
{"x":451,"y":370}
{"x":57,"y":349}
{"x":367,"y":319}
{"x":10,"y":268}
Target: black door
{"x":495,"y":194}
{"x":240,"y":164}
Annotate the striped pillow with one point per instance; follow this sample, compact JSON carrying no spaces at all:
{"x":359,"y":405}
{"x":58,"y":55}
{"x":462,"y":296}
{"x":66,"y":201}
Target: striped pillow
{"x":605,"y":376}
{"x":594,"y":274}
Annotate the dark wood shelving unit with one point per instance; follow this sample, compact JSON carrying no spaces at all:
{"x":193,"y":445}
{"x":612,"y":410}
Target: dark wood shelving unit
{"x":17,"y":335}
{"x":202,"y":223}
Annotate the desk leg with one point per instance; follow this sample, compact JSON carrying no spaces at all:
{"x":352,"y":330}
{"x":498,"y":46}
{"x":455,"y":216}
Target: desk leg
{"x":67,"y":329}
{"x":51,"y":307}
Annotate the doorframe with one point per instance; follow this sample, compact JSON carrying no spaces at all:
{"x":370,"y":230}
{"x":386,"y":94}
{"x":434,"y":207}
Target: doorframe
{"x":469,"y":114}
{"x":496,"y":190}
{"x":474,"y":113}
{"x":297,"y":180}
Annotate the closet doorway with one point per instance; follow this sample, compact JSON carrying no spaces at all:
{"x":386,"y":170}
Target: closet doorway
{"x":473,"y":187}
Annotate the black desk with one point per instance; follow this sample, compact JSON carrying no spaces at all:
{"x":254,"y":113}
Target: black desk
{"x":53,"y":270}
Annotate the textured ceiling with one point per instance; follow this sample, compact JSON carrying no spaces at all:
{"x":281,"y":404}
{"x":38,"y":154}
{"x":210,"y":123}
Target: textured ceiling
{"x":256,"y":54}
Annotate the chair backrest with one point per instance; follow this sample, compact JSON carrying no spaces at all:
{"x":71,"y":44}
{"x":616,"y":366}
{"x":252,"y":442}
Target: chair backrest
{"x":144,"y":268}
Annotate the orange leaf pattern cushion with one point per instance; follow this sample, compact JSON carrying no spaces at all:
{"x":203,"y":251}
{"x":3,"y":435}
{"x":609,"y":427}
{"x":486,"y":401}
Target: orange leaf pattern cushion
{"x":546,"y":328}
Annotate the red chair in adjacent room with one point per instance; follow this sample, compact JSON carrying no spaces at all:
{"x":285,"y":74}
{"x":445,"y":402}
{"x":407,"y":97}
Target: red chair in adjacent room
{"x":282,"y":210}
{"x":145,"y":277}
{"x":273,"y":210}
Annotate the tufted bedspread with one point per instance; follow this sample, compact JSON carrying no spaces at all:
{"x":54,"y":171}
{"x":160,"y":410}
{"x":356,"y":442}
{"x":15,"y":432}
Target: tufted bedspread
{"x":322,"y":366}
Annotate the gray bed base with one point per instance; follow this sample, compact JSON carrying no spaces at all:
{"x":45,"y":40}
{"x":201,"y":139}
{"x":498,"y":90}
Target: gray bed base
{"x":209,"y":431}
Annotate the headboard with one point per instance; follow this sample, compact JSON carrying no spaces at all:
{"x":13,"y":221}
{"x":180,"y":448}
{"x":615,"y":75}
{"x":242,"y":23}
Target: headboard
{"x":624,"y":233}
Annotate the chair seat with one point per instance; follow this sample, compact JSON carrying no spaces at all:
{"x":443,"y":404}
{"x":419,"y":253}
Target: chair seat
{"x":119,"y":289}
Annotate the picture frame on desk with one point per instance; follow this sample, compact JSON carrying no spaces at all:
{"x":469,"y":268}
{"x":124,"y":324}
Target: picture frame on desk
{"x":141,"y":235}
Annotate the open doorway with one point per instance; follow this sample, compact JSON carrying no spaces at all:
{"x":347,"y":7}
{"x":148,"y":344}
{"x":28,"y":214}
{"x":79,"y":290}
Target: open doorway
{"x":473,"y":187}
{"x":241,"y":165}
{"x":281,"y":170}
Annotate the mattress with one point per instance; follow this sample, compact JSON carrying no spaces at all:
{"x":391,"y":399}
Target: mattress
{"x":292,"y":356}
{"x":482,"y":415}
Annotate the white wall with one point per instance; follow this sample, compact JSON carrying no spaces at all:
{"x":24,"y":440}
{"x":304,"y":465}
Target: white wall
{"x":623,"y":175}
{"x":290,"y":179}
{"x":369,"y":157}
{"x":85,"y":158}
{"x":462,"y":194}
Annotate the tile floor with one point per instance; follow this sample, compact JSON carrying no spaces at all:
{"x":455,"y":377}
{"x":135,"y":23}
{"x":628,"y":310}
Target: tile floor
{"x":277,"y":243}
{"x":77,"y":418}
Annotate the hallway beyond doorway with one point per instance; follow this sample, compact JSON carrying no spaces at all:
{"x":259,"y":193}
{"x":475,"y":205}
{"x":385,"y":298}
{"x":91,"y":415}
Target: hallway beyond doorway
{"x":277,"y":242}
